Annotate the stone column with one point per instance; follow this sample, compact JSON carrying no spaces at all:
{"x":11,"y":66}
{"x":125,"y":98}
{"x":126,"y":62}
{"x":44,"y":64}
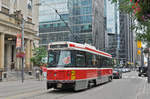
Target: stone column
{"x":0,"y":4}
{"x":12,"y":3}
{"x":31,"y":54}
{"x":2,"y":38}
{"x":14,"y":56}
{"x":8,"y":56}
{"x":27,"y":56}
{"x":18,"y":61}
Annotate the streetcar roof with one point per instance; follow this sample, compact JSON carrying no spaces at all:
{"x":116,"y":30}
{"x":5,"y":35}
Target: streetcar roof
{"x":78,"y":46}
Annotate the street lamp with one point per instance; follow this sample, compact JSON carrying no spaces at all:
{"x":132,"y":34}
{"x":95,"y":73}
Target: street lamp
{"x":147,"y":51}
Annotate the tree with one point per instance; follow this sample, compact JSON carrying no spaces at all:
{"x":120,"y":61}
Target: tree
{"x":140,"y":12}
{"x":38,"y":54}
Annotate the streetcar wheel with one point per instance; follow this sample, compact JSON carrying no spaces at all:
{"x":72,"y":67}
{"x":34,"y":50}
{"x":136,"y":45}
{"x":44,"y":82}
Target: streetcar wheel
{"x":139,"y":75}
{"x":49,"y":86}
{"x":120,"y":76}
{"x":89,"y":85}
{"x":110,"y":78}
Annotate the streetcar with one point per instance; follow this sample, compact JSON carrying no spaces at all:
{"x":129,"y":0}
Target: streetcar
{"x":77,"y":66}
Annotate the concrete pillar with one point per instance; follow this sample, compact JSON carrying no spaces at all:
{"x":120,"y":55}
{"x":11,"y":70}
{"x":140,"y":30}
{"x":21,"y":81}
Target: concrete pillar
{"x":2,"y":38}
{"x":27,"y":57}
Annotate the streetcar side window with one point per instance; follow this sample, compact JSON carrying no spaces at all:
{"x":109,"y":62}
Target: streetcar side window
{"x":102,"y":63}
{"x":105,"y":62}
{"x":89,"y":62}
{"x":80,"y":58}
{"x":95,"y":61}
{"x":98,"y":61}
{"x":110,"y":62}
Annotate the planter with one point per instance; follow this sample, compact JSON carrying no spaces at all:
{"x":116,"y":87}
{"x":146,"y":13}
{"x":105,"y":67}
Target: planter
{"x":20,"y":54}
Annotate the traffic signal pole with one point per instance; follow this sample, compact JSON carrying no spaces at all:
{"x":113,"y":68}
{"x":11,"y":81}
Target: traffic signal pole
{"x":22,"y":48}
{"x":148,"y":68}
{"x":142,"y":59}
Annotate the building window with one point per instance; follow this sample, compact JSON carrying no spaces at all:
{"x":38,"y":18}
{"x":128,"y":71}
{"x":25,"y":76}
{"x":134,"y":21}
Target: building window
{"x":6,"y":3}
{"x":29,"y":3}
{"x":5,"y":10}
{"x":30,"y":20}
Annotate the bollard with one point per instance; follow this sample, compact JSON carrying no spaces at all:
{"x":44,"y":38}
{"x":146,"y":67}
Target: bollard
{"x":37,"y":75}
{"x":4,"y":76}
{"x":30,"y":73}
{"x":1,"y":75}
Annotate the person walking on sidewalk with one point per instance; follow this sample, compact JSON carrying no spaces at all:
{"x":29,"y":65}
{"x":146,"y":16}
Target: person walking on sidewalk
{"x":37,"y":74}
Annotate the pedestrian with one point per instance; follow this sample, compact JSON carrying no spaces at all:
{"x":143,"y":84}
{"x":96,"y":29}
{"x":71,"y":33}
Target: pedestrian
{"x":12,"y":65}
{"x":37,"y":75}
{"x":41,"y":73}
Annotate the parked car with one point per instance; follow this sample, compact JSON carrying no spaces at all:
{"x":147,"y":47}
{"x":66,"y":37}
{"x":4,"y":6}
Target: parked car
{"x":127,"y":69}
{"x":117,"y":73}
{"x":142,"y":71}
{"x":124,"y":70}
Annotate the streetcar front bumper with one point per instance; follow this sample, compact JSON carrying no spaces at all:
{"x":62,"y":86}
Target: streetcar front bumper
{"x":60,"y":84}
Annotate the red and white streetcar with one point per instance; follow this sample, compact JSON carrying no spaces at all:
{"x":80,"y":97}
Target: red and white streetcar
{"x":77,"y":66}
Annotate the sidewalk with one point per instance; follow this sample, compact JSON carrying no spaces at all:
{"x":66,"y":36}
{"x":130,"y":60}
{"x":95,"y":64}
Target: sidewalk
{"x":16,"y":75}
{"x":145,"y":92}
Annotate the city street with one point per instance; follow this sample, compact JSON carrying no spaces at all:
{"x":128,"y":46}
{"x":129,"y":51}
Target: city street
{"x":78,"y":44}
{"x":129,"y":87}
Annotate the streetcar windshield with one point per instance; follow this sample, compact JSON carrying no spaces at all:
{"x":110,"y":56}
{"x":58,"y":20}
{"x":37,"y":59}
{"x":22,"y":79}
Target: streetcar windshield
{"x":59,"y":58}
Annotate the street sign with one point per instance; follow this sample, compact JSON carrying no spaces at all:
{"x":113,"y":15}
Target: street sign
{"x":18,"y":40}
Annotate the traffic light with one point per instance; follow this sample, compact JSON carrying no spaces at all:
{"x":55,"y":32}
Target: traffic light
{"x":139,"y":52}
{"x":139,"y":44}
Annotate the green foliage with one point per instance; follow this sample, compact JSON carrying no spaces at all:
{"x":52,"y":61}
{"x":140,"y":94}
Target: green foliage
{"x":139,"y":9}
{"x":142,"y":26}
{"x":38,"y":54}
{"x":145,"y":34}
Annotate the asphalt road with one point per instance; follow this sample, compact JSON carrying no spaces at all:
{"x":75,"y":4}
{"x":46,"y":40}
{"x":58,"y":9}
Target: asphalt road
{"x":129,"y":87}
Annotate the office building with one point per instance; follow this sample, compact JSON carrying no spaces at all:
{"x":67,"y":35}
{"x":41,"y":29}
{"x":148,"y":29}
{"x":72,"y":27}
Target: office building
{"x":112,"y":28}
{"x":85,"y":19}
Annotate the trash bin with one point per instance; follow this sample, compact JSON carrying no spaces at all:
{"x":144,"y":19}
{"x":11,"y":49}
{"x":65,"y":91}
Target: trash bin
{"x":30,"y":73}
{"x":1,"y":71}
{"x":4,"y":75}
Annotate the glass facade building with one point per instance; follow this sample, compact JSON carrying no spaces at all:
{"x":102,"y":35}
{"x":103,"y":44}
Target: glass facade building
{"x":85,"y":19}
{"x":112,"y":28}
{"x":52,"y":28}
{"x":81,"y":19}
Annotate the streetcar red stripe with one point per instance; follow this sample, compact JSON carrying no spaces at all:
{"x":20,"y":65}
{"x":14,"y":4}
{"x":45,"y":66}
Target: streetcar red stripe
{"x":86,"y":48}
{"x":79,"y":74}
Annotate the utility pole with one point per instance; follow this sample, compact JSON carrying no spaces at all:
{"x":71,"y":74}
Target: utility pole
{"x":142,"y":59}
{"x":75,"y":37}
{"x":147,"y":51}
{"x":22,"y":48}
{"x":148,"y":67}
